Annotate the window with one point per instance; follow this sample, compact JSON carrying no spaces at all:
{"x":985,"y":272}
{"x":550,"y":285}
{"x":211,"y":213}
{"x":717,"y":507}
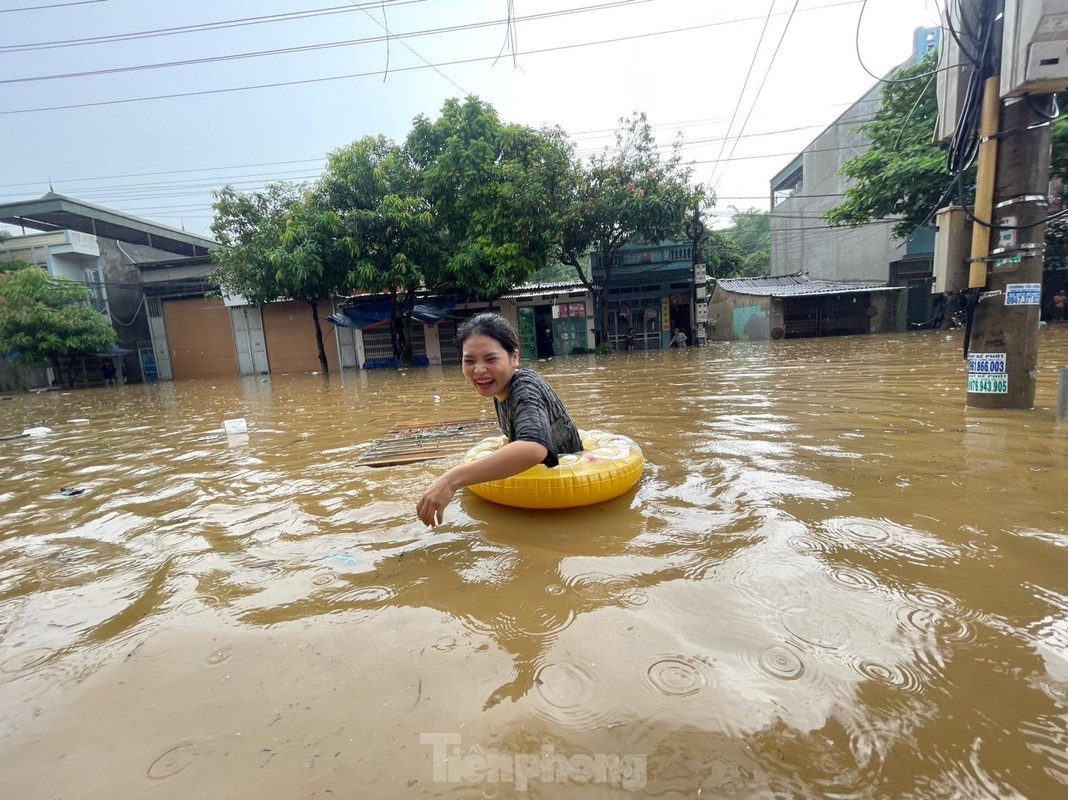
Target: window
{"x":98,"y":298}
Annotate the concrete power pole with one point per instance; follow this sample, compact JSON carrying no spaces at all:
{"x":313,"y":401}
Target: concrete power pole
{"x":1007,"y":247}
{"x":699,"y":298}
{"x":1003,"y":347}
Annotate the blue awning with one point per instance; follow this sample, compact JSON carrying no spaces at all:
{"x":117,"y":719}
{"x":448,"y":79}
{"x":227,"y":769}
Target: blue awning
{"x":369,"y":315}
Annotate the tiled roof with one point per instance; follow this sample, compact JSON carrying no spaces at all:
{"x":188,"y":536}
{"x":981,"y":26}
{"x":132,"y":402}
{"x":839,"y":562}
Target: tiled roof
{"x":794,"y":285}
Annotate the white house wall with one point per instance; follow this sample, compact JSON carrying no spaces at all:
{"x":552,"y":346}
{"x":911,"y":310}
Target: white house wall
{"x":801,"y":241}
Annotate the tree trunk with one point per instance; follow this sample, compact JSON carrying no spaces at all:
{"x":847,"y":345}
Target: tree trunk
{"x":319,"y":337}
{"x":395,"y":325}
{"x":57,"y":371}
{"x":407,"y":357}
{"x":601,"y":297}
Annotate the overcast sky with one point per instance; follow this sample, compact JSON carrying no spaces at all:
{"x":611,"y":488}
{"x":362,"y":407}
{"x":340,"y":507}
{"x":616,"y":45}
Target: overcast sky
{"x":580,"y":64}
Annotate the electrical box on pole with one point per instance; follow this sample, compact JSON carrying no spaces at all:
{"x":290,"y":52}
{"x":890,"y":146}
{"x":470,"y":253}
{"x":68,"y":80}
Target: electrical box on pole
{"x":1034,"y":47}
{"x":954,"y":68}
{"x":953,"y":241}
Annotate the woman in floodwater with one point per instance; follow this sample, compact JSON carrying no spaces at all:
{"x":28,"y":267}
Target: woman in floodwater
{"x":530,"y":414}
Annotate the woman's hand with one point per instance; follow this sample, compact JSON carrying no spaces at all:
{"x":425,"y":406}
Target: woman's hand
{"x":431,"y":506}
{"x":510,"y":460}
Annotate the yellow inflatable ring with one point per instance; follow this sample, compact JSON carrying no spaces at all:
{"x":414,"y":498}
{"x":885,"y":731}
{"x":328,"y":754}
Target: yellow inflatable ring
{"x":607,"y":467}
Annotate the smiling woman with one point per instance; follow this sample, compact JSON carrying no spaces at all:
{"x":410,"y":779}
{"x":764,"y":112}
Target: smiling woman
{"x":532,"y":417}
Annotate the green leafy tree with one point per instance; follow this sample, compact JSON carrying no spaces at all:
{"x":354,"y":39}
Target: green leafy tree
{"x":750,"y":232}
{"x":903,"y":173}
{"x":1057,"y":230}
{"x":49,"y":321}
{"x":625,"y":193}
{"x":723,"y":259}
{"x":278,"y":244}
{"x":389,"y":233}
{"x":498,"y":193}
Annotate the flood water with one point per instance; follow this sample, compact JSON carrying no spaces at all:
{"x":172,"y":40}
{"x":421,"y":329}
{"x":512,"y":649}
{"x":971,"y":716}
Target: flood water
{"x":833,"y":580}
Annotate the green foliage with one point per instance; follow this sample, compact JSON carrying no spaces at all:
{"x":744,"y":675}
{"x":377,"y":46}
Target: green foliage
{"x":498,"y":193}
{"x":723,"y":258}
{"x":278,"y":244}
{"x":553,"y":272}
{"x":389,"y":234}
{"x":741,"y":251}
{"x":750,"y":232}
{"x":46,"y":320}
{"x":903,"y":173}
{"x":627,"y":192}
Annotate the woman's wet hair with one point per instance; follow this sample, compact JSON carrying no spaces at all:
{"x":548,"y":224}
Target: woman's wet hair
{"x":494,"y":326}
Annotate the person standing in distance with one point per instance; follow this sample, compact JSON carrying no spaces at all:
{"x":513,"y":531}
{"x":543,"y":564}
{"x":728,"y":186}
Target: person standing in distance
{"x":532,"y":417}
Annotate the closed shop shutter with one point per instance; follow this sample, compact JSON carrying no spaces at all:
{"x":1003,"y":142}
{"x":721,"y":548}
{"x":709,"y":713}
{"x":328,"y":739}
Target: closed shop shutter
{"x":200,"y":338}
{"x":290,"y":336}
{"x":378,"y":342}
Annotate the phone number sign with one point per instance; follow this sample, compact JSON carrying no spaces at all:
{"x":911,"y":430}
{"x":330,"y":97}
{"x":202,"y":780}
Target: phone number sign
{"x":987,"y":373}
{"x":1023,"y":294}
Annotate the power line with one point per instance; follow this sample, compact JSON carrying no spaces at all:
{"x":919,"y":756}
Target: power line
{"x":314,"y":47}
{"x":760,"y":89}
{"x":863,"y":66}
{"x":199,"y":28}
{"x":168,"y":172}
{"x":745,"y":84}
{"x":408,"y":47}
{"x":53,"y":5}
{"x":371,"y":73}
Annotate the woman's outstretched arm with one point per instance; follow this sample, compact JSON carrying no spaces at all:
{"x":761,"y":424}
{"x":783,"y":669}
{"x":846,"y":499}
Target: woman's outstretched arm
{"x":513,"y":458}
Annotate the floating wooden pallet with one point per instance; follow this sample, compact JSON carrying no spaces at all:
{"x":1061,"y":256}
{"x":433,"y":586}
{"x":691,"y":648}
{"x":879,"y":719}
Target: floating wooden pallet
{"x":406,"y":443}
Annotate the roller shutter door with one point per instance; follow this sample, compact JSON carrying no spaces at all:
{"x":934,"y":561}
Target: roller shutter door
{"x":200,"y":338}
{"x":290,"y":337}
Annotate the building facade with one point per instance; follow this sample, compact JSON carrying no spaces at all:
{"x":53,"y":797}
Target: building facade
{"x":100,"y":248}
{"x":651,"y":292}
{"x":812,"y":184}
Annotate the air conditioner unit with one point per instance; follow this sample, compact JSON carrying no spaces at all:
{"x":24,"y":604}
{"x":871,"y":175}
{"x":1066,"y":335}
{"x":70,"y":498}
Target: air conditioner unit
{"x":1034,"y":55}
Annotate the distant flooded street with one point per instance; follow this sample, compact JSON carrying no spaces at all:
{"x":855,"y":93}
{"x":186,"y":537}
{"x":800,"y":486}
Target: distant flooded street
{"x":832,"y":580}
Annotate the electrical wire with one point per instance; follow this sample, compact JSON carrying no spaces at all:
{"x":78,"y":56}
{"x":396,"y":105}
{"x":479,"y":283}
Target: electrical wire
{"x":408,"y":47}
{"x":371,"y":73}
{"x":745,"y":84}
{"x":199,"y":28}
{"x":470,"y":26}
{"x":52,"y":5}
{"x":860,"y":58}
{"x":760,"y":89}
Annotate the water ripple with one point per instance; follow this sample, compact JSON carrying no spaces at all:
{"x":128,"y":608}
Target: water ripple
{"x":781,"y":662}
{"x":568,"y":693}
{"x":676,"y":676}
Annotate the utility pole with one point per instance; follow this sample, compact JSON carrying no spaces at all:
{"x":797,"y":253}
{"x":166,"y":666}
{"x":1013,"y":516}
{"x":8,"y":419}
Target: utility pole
{"x":1008,"y":241}
{"x":1003,"y":347}
{"x":699,"y":296}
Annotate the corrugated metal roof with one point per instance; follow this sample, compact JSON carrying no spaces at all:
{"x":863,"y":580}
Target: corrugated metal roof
{"x":796,"y":285}
{"x":56,"y":212}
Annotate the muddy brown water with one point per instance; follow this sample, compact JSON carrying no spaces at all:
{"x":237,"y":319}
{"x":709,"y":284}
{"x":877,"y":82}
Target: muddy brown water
{"x":833,"y":580}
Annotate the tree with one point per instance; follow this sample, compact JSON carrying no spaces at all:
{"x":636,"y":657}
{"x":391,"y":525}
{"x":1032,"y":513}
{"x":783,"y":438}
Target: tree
{"x":750,"y":232}
{"x":723,"y":259}
{"x":1057,"y":229}
{"x":388,"y":231}
{"x":49,"y":321}
{"x":498,"y":193}
{"x":629,"y":192}
{"x":903,"y":174}
{"x":278,"y":245}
